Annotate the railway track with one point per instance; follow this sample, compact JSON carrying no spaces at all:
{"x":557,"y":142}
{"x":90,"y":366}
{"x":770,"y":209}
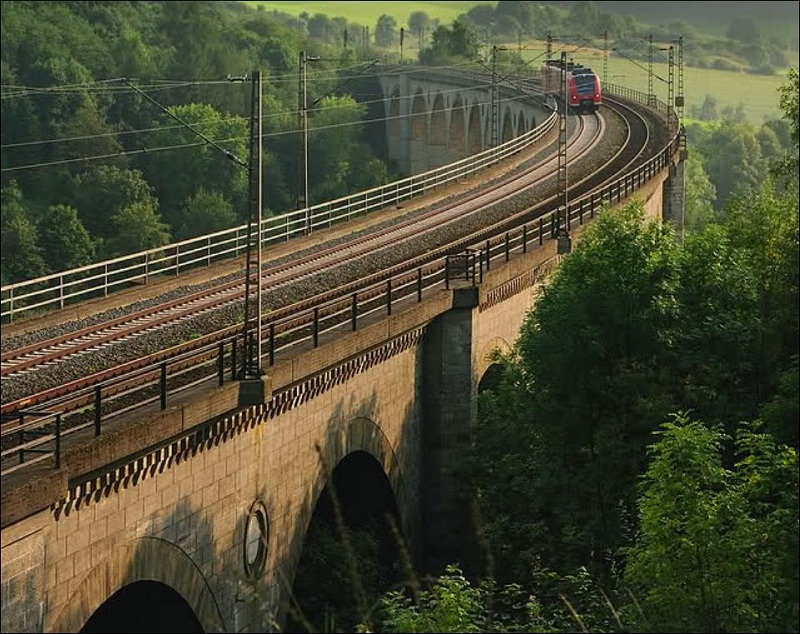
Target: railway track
{"x":63,"y":348}
{"x":195,"y":361}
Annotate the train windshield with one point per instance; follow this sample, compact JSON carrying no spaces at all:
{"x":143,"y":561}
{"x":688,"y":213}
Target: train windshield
{"x":585,"y":84}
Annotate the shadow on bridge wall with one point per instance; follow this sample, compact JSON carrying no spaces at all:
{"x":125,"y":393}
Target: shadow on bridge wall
{"x":365,"y":480}
{"x":152,"y":583}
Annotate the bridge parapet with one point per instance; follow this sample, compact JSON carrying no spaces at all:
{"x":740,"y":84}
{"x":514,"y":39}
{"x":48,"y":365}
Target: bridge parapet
{"x":353,"y":386}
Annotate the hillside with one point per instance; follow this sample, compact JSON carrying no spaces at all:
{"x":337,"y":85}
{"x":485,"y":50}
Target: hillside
{"x":777,"y":19}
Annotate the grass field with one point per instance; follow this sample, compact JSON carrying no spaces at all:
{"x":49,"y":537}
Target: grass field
{"x":367,"y":13}
{"x":757,"y":93}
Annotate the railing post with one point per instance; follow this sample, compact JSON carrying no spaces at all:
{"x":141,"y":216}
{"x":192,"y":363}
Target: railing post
{"x":354,"y":312}
{"x":541,"y":231}
{"x":105,"y":280}
{"x":525,"y":238}
{"x":58,"y":441}
{"x":208,"y":251}
{"x":447,"y":272}
{"x":61,"y":291}
{"x":488,"y":255}
{"x":419,"y":284}
{"x":389,"y":296}
{"x":473,"y":258}
{"x":146,"y":266}
{"x":97,"y":409}
{"x":508,"y":247}
{"x":221,"y":362}
{"x":163,"y":385}
{"x":272,"y":344}
{"x":177,"y":260}
{"x":21,"y":452}
{"x":233,"y":359}
{"x":316,"y":326}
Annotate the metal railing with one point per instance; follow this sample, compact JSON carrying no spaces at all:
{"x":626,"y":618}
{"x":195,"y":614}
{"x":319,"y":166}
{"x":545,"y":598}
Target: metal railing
{"x":212,"y":358}
{"x":57,"y":290}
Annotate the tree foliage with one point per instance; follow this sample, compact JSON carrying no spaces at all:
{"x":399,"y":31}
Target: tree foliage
{"x":21,"y":256}
{"x":717,"y":549}
{"x":75,"y":134}
{"x":386,"y":31}
{"x":457,"y":42}
{"x":64,"y":240}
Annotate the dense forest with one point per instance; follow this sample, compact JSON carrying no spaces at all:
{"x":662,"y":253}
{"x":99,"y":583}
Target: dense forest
{"x":98,"y":98}
{"x":634,"y":467}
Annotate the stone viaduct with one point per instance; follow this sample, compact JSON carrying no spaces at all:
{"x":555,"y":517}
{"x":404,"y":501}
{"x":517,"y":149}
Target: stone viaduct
{"x":209,"y":501}
{"x":433,"y":117}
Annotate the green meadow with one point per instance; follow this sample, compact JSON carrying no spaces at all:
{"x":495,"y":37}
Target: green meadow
{"x":367,"y":13}
{"x":756,"y":93}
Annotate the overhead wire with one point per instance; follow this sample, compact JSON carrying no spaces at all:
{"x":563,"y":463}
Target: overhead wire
{"x":133,"y":152}
{"x":272,"y":115}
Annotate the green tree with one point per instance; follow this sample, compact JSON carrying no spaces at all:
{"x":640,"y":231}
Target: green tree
{"x":206,"y":212}
{"x":101,"y":192}
{"x":745,"y":30}
{"x":732,"y":157}
{"x":589,"y":369}
{"x":717,"y":550}
{"x":763,"y":225}
{"x":138,"y":228}
{"x":64,"y":240}
{"x":334,"y":128}
{"x":782,"y":412}
{"x":458,"y":42}
{"x":20,"y":253}
{"x":418,"y":21}
{"x":718,"y":340}
{"x":511,"y":12}
{"x":386,"y":31}
{"x":179,"y":174}
{"x":788,"y":93}
{"x":700,"y":195}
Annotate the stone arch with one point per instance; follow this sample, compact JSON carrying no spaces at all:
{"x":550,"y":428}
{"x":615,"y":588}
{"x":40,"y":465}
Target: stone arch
{"x":419,"y":118}
{"x":508,"y":126}
{"x":144,"y":559}
{"x":438,"y":127}
{"x":457,"y":137}
{"x":474,"y":132}
{"x":484,"y":359}
{"x":360,"y":434}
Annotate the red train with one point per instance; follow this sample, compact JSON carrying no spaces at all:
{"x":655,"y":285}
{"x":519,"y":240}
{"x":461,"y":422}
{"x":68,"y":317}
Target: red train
{"x":583,"y":84}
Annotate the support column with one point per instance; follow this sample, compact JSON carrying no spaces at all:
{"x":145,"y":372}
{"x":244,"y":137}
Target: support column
{"x":449,"y":410}
{"x":673,"y":204}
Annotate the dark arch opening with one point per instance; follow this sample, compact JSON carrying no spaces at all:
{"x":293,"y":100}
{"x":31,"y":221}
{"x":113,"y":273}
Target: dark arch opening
{"x":324,"y":593}
{"x":491,"y":378}
{"x":144,"y":606}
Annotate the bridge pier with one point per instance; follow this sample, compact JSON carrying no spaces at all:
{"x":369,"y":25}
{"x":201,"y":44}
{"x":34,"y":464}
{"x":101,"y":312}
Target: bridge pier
{"x":449,"y":410}
{"x":674,"y":188}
